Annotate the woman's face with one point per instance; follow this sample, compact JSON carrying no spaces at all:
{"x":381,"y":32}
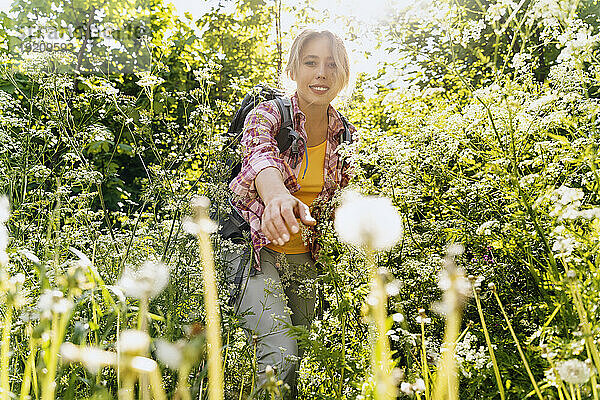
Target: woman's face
{"x":317,"y":77}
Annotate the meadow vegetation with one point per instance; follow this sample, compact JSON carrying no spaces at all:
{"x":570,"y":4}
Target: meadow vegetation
{"x":481,"y":128}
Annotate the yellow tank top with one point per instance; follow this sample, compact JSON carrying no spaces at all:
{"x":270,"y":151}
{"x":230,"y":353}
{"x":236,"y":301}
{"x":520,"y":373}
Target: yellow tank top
{"x":311,"y":185}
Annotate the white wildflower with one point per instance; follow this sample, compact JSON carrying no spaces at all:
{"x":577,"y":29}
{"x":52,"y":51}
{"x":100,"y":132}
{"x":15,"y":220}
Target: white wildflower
{"x":133,"y":342}
{"x":393,"y":288}
{"x":406,"y":388}
{"x":574,"y":371}
{"x":397,"y":317}
{"x":565,"y":195}
{"x":422,"y":319}
{"x":564,"y":246}
{"x":92,"y":358}
{"x":419,"y":385}
{"x":169,"y":353}
{"x":149,"y":80}
{"x":145,"y":282}
{"x":486,"y":228}
{"x":53,"y":302}
{"x":368,"y":221}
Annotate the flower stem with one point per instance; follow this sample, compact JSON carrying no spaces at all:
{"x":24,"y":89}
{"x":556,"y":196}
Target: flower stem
{"x":514,"y":336}
{"x":446,"y":382}
{"x":4,"y":350}
{"x":381,"y":360}
{"x":183,"y":389}
{"x":213,"y":320}
{"x":587,"y":331}
{"x":29,"y":372}
{"x":424,"y":366}
{"x":489,"y":346}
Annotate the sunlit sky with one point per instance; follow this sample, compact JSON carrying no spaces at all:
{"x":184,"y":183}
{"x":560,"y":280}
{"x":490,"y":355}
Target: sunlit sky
{"x":366,"y":12}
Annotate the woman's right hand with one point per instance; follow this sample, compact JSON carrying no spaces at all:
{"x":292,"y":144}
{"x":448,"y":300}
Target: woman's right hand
{"x":281,"y":208}
{"x":279,"y":217}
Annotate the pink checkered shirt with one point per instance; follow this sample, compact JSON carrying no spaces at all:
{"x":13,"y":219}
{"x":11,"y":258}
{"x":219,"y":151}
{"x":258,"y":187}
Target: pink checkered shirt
{"x":260,"y":151}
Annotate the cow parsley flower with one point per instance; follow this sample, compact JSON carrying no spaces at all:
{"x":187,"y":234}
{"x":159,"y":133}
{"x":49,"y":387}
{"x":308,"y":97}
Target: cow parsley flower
{"x":149,"y":80}
{"x":368,"y":221}
{"x":145,"y":282}
{"x":574,"y":371}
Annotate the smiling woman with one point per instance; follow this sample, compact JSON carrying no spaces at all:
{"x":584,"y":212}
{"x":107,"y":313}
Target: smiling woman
{"x":275,"y":196}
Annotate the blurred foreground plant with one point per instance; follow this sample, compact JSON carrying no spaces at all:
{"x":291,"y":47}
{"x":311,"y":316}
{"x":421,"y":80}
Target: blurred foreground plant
{"x":374,"y":224}
{"x":201,"y":225}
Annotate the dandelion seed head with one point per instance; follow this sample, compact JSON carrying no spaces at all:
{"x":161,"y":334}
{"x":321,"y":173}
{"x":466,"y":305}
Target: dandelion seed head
{"x":94,"y":358}
{"x":368,"y":221}
{"x":205,"y":225}
{"x":393,"y":288}
{"x":133,"y":342}
{"x":143,"y":365}
{"x":168,"y":353}
{"x":406,"y":388}
{"x":145,"y":282}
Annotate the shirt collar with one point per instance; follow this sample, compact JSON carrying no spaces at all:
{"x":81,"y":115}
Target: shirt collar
{"x":335,"y":121}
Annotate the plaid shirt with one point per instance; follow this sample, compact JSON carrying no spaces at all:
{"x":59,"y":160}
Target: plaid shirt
{"x":260,"y":151}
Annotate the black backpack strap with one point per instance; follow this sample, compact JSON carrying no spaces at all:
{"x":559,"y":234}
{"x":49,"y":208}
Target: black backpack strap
{"x":346,"y":135}
{"x":287,"y":136}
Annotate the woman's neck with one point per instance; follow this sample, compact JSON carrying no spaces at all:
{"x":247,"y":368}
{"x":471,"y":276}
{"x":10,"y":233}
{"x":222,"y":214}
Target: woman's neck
{"x":317,"y":120}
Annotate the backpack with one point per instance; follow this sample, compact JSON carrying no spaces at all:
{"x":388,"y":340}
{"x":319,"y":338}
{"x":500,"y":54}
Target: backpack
{"x":233,"y":225}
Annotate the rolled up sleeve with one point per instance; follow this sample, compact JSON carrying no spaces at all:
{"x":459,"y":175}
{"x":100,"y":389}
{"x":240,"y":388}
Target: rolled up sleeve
{"x":259,"y":150}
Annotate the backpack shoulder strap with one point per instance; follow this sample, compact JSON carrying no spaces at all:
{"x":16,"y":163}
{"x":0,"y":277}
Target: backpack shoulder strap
{"x":286,"y":135}
{"x":346,"y":136}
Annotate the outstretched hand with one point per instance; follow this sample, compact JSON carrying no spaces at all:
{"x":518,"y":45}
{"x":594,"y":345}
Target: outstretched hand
{"x":279,"y":218}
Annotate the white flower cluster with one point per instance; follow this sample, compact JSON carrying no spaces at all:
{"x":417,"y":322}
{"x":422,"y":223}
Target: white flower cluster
{"x":149,"y":80}
{"x":53,"y":302}
{"x":577,"y":41}
{"x":102,"y":86}
{"x":567,"y":205}
{"x":499,"y":9}
{"x":34,"y":63}
{"x":412,"y":388}
{"x":486,"y":228}
{"x":470,"y":357}
{"x":550,"y":15}
{"x":564,"y":244}
{"x":574,"y":371}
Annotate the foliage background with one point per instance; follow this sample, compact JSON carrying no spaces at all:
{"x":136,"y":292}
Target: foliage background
{"x":480,"y":114}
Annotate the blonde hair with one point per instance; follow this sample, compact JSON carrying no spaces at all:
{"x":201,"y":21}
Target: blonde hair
{"x":338,"y":50}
